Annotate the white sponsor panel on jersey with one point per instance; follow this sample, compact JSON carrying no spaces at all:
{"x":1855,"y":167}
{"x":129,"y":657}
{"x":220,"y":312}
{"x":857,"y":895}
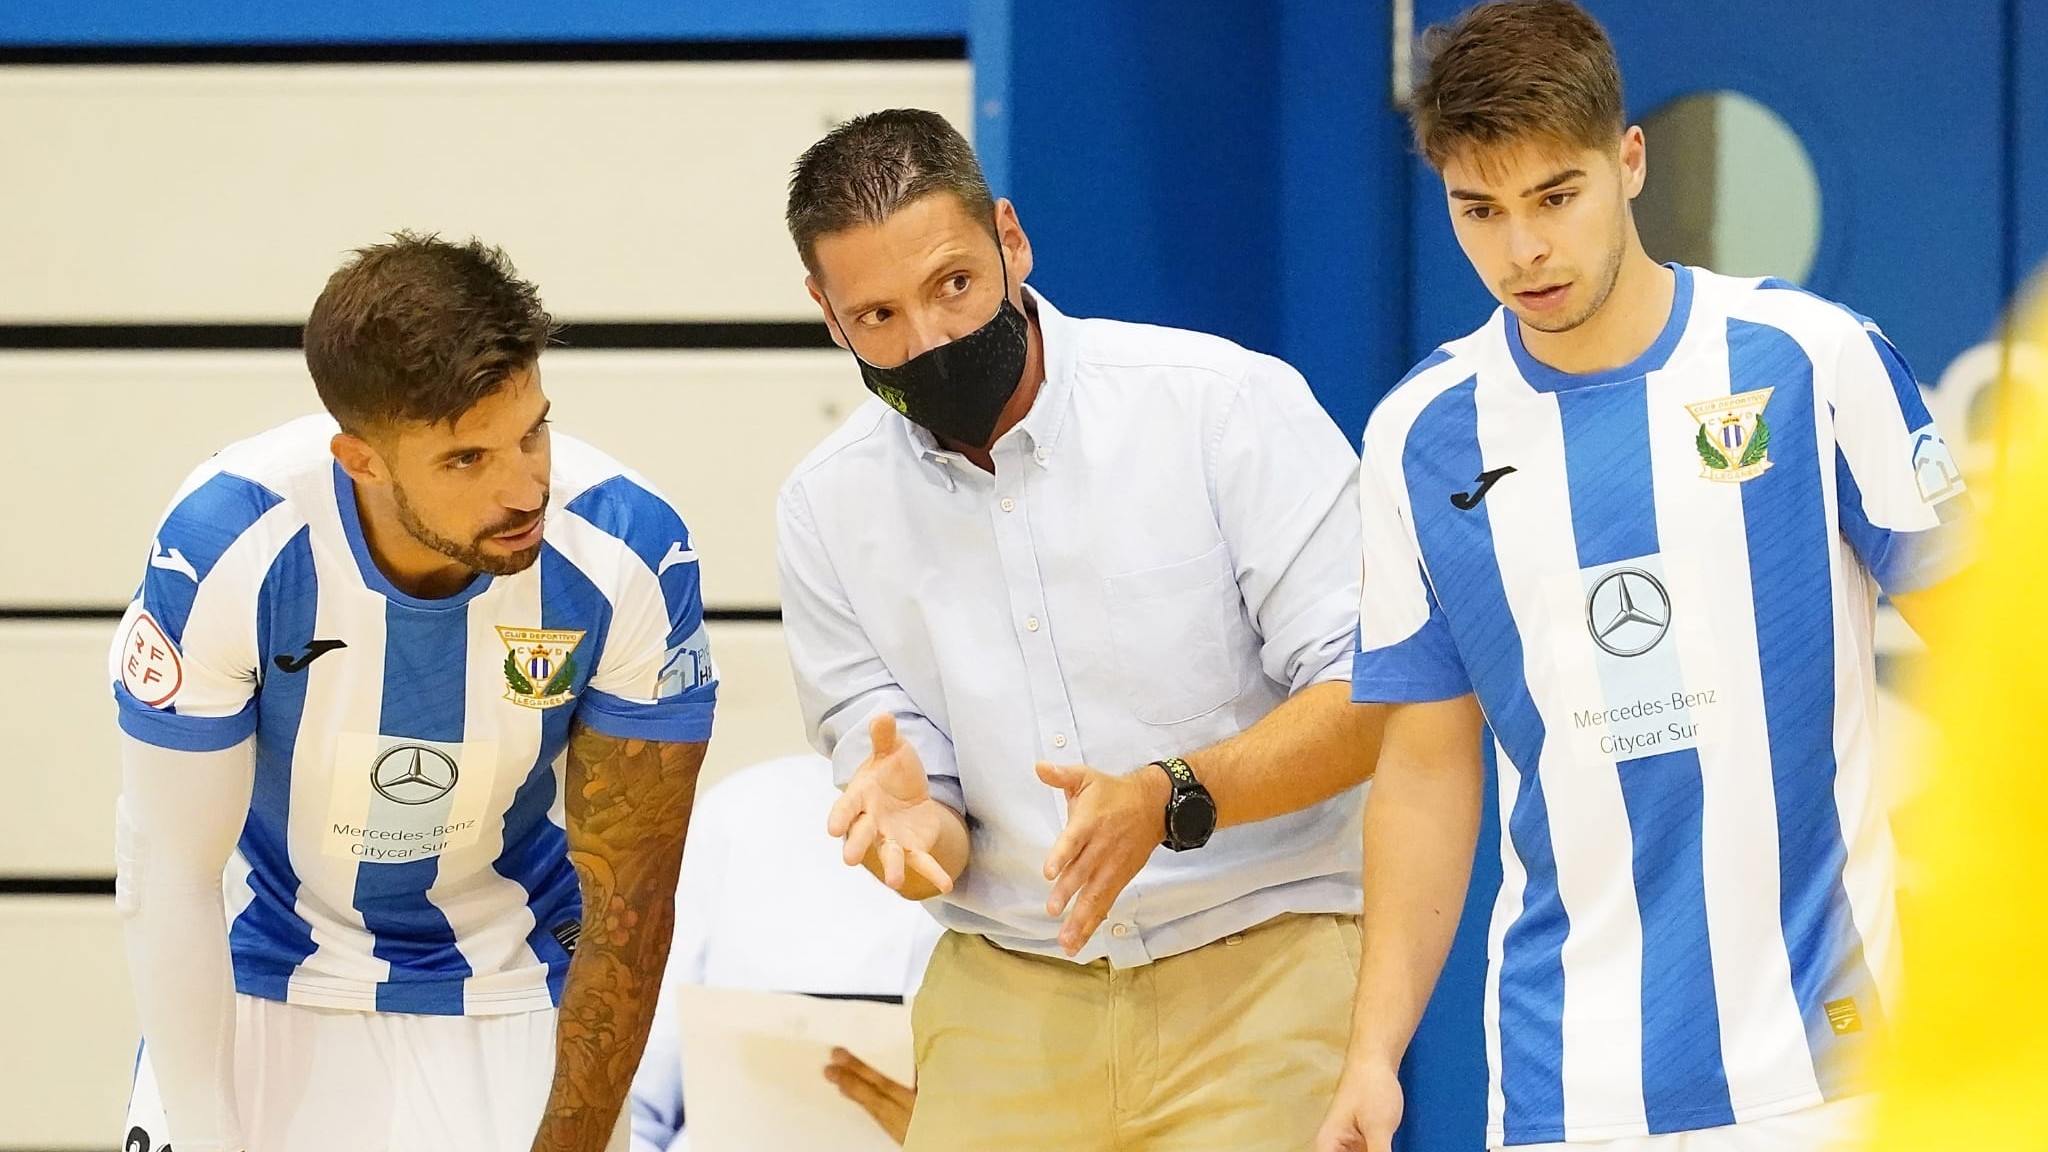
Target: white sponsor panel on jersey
{"x":1647,"y":705}
{"x":398,"y":800}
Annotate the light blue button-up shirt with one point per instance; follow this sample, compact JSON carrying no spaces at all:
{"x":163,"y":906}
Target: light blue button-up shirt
{"x":1167,"y":549}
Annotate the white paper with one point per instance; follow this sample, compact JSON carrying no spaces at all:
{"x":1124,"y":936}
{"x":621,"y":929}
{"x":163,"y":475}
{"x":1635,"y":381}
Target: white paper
{"x":754,"y":1069}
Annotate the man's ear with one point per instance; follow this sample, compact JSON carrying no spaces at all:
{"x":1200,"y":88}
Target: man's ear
{"x":359,"y":459}
{"x":825,"y":309}
{"x":1016,"y":245}
{"x":1635,"y":161}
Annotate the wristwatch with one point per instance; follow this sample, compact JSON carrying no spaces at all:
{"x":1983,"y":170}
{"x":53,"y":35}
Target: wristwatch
{"x":1190,"y":812}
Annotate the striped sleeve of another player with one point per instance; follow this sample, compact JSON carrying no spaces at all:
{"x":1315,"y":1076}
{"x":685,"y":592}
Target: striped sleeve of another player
{"x":655,"y":679}
{"x":184,"y":663}
{"x":1899,"y":494}
{"x":1404,"y":651}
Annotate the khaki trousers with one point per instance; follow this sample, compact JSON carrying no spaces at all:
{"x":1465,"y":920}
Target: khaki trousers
{"x":1233,"y":1046}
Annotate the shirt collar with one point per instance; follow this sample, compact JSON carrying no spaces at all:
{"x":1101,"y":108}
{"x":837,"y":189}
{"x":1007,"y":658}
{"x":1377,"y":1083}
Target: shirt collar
{"x":1039,"y":432}
{"x":1543,"y":378}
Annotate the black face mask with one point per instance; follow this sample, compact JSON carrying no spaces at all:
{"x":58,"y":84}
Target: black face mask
{"x":958,"y":390}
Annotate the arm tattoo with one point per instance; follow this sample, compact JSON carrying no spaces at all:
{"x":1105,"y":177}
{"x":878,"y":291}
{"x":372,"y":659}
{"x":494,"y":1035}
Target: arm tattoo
{"x":628,"y":806}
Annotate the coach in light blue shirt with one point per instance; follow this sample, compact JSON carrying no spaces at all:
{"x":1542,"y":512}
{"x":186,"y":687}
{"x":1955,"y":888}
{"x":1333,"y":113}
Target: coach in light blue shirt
{"x":1066,"y":598}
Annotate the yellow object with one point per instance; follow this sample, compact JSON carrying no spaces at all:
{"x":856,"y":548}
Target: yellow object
{"x":1967,"y":1067}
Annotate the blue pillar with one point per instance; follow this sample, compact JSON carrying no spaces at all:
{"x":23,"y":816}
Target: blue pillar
{"x":2027,"y":137}
{"x":1229,"y":168}
{"x":1141,"y":154}
{"x":1343,"y":206}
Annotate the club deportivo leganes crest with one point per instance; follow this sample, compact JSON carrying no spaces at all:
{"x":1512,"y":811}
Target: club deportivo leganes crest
{"x":540,"y":665}
{"x":1734,"y":442}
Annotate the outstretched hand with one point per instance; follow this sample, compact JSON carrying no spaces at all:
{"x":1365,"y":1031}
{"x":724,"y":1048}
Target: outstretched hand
{"x":888,"y":808}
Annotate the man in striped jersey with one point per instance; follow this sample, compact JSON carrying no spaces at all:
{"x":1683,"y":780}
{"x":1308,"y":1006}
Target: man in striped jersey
{"x":1636,"y":523}
{"x":406,"y":707}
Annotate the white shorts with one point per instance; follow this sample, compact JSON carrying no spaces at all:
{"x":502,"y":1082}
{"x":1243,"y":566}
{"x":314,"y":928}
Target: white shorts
{"x":1841,"y":1125}
{"x":323,"y":1080}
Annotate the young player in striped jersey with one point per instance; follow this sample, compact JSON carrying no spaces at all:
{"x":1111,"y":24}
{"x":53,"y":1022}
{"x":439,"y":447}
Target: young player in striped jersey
{"x":429,"y":684}
{"x":1638,"y":522}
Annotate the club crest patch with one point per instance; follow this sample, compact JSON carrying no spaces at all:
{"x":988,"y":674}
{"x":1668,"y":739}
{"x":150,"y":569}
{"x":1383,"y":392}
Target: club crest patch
{"x":540,"y":665}
{"x":1734,"y":441}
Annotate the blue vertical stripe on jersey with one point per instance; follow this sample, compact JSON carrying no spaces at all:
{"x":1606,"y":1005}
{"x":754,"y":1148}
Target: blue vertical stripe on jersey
{"x":1685,"y":1078}
{"x":1607,"y":470}
{"x":192,"y":539}
{"x":1458,"y":551}
{"x":426,"y":660}
{"x":652,"y":530}
{"x":1785,"y":518}
{"x":1614,"y":518}
{"x":536,"y":850}
{"x":537,"y":856}
{"x":270,"y":939}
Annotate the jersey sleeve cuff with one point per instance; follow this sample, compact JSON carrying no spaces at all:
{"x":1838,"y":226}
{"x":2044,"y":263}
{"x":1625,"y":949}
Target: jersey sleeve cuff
{"x":1379,"y":678}
{"x":1917,"y":561}
{"x":180,"y":733}
{"x":680,"y":720}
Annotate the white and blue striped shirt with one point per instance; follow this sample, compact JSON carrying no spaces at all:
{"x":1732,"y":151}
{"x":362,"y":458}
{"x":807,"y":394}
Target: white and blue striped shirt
{"x":404,"y":849}
{"x":1660,"y":582}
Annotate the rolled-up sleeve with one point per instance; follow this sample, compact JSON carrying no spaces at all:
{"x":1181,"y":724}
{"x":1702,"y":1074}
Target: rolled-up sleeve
{"x":842,"y":684}
{"x":1286,"y":492}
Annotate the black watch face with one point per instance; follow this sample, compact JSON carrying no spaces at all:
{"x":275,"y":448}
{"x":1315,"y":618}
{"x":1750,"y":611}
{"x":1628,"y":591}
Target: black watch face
{"x":1193,"y":819}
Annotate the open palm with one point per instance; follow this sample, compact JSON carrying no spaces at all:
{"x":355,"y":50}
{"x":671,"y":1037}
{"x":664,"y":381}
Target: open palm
{"x":888,"y":808}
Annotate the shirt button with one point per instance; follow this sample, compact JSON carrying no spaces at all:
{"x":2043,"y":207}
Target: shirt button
{"x":1042,"y":454}
{"x":1009,"y":505}
{"x":1059,"y":739}
{"x":1031,"y":624}
{"x":1119,"y":930}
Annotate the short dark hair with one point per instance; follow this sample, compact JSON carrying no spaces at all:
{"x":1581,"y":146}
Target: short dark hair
{"x":1515,"y":70}
{"x":419,"y":329}
{"x":872,"y":165}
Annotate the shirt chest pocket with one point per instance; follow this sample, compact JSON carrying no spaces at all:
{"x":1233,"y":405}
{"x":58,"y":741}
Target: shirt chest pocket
{"x":1171,"y":628}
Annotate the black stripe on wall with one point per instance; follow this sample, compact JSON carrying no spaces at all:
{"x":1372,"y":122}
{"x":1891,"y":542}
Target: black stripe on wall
{"x":714,"y":615}
{"x":56,"y":885}
{"x":743,"y":335}
{"x":506,"y":52}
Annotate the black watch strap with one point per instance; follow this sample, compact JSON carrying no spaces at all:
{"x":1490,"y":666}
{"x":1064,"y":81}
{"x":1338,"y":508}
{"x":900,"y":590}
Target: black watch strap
{"x":1178,"y":771}
{"x":1190,"y":812}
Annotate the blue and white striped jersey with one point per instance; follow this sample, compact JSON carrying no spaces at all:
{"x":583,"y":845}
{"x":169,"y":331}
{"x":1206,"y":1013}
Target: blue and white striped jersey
{"x":1660,"y":581}
{"x":404,"y":849}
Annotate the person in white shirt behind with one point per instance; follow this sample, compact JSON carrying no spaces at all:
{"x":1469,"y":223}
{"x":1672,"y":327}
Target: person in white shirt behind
{"x":1064,"y":600}
{"x":764,"y":902}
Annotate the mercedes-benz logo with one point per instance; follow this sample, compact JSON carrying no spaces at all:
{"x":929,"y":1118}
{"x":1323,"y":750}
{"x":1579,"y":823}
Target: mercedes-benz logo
{"x":1628,"y":612}
{"x":413,"y":774}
